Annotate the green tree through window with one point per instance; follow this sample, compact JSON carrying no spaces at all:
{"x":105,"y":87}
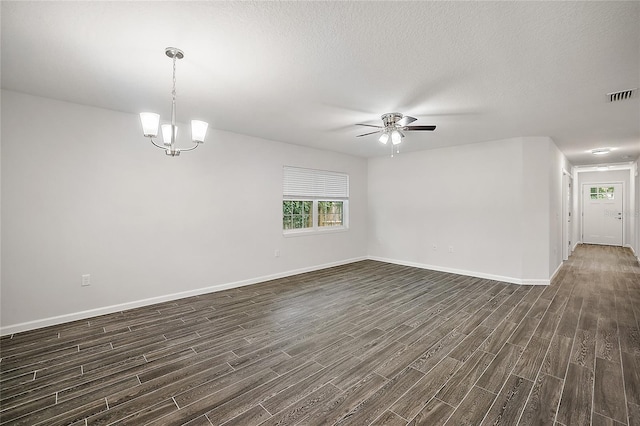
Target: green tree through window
{"x":601,"y":192}
{"x":296,"y":214}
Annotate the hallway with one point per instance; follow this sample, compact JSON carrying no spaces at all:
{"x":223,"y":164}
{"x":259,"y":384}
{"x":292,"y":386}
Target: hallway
{"x":603,"y":375}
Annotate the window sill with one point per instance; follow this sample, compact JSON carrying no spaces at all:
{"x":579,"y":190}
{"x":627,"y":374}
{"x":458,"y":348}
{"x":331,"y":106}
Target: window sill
{"x":309,"y":232}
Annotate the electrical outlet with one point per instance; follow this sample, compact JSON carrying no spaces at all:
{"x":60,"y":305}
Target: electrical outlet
{"x":450,"y":249}
{"x":276,"y":253}
{"x":86,"y":280}
{"x":435,"y":247}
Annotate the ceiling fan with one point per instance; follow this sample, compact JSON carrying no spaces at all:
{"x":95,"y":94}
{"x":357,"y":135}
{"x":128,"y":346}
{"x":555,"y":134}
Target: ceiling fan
{"x":394,"y":124}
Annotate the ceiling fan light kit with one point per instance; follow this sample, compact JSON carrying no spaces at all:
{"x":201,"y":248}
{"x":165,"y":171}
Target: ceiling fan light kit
{"x":150,"y":121}
{"x":396,"y":137}
{"x":394,"y":124}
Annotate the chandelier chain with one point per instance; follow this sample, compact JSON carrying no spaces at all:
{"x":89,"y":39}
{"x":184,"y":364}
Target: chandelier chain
{"x":173,"y":105}
{"x":174,"y":79}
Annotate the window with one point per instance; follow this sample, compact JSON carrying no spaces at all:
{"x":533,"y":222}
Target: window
{"x":314,"y":200}
{"x":330,"y":213}
{"x":297,"y":214}
{"x":600,"y":193}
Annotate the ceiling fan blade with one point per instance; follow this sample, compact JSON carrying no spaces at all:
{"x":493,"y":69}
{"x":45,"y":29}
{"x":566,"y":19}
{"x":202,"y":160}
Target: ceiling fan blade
{"x":369,"y":125}
{"x":406,"y":120}
{"x":420,"y":127}
{"x":366,"y":134}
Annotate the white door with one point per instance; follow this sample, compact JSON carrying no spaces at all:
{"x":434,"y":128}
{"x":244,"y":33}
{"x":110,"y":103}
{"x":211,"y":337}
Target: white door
{"x":602,"y":213}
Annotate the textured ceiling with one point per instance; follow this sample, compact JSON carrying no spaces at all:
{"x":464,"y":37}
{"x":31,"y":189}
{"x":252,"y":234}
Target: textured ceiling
{"x":305,"y":73}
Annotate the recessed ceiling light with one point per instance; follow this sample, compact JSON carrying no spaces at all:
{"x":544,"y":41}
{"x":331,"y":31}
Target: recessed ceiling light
{"x":600,"y":151}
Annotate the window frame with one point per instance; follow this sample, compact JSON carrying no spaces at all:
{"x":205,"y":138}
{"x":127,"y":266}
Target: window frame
{"x":316,"y":229}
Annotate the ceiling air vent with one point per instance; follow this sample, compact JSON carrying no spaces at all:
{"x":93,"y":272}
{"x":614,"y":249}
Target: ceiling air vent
{"x":622,"y":95}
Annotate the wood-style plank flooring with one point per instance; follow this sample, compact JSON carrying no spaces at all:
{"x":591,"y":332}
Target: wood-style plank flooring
{"x":364,"y":344}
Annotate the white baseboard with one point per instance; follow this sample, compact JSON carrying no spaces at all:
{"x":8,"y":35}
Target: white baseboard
{"x":635,"y":253}
{"x":483,"y":275}
{"x":556,"y":271}
{"x":45,"y":322}
{"x":576,"y":245}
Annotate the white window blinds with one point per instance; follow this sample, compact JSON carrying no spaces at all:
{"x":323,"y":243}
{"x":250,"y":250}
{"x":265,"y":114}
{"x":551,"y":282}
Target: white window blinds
{"x":309,"y":183}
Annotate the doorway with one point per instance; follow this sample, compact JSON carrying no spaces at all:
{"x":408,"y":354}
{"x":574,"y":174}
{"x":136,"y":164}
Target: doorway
{"x":602,"y":219}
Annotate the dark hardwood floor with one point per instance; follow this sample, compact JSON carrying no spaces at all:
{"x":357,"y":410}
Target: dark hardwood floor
{"x":364,"y":344}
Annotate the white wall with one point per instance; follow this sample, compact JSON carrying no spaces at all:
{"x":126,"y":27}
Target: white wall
{"x":489,"y":201}
{"x":498,"y":204}
{"x":536,"y":206}
{"x":466,"y":197}
{"x":84,"y":193}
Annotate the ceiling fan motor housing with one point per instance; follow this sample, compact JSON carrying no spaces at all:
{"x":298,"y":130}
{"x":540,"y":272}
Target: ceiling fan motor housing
{"x":390,"y":119}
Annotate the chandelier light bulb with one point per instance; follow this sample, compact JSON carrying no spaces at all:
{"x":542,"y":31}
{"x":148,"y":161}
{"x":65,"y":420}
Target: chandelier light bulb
{"x":198,"y":130}
{"x":166,"y":134}
{"x":384,"y":138}
{"x":150,"y":123}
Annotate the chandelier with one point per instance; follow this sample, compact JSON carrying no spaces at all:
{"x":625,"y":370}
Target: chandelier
{"x":150,"y":120}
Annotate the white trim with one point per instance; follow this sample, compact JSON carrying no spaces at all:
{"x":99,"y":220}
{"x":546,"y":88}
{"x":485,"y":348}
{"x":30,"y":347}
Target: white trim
{"x":635,"y":254}
{"x":566,"y":201}
{"x":302,"y":232}
{"x":611,"y":167}
{"x":576,"y":245}
{"x":463,"y":272}
{"x":45,"y":322}
{"x":556,"y":272}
